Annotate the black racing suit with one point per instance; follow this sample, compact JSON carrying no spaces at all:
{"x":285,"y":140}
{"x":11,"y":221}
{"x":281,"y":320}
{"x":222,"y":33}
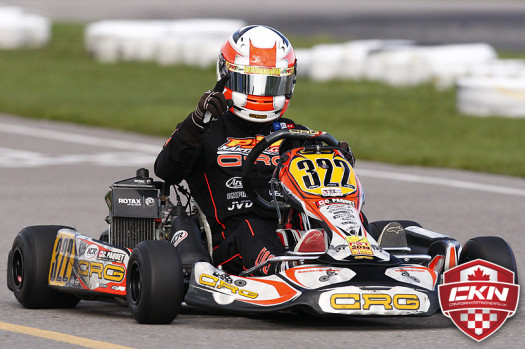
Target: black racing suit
{"x":210,"y":160}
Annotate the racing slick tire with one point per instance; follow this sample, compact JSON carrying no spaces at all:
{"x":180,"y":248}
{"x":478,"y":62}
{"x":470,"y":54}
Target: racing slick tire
{"x":28,"y":269}
{"x":492,"y":249}
{"x":154,"y":282}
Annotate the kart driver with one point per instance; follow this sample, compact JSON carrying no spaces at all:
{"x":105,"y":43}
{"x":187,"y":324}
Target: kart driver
{"x":256,"y":72}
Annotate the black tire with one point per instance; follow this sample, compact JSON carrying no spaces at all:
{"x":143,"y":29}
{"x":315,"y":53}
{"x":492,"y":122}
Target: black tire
{"x":154,"y":282}
{"x":28,"y":269}
{"x":375,"y":228}
{"x":492,"y":249}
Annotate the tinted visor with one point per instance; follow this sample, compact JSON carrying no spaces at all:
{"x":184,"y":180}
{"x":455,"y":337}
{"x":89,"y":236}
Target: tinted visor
{"x":260,"y":81}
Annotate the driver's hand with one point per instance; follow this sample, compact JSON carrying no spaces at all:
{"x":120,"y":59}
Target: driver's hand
{"x":212,"y":105}
{"x":347,"y":152}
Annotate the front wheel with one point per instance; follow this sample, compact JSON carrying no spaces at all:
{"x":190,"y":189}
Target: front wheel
{"x":154,"y":282}
{"x":28,"y":269}
{"x":492,"y":249}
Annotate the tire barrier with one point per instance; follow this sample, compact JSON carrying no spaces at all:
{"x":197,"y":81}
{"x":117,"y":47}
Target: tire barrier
{"x":349,"y":60}
{"x":485,"y":85}
{"x":491,"y":95}
{"x":193,"y":42}
{"x":394,"y":62}
{"x":21,"y":30}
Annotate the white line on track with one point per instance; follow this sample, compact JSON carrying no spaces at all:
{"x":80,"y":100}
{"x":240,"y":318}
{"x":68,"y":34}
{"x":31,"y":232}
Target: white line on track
{"x":13,"y":158}
{"x":76,"y":138}
{"x":148,"y":148}
{"x":441,"y":182}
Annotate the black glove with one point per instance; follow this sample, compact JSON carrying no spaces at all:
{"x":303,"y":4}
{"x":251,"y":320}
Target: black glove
{"x":212,"y":105}
{"x":347,"y":152}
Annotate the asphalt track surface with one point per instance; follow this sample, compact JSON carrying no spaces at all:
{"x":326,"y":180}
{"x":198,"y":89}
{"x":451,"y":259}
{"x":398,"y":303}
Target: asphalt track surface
{"x":55,"y":173}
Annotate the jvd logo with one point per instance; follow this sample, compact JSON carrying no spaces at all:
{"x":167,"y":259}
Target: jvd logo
{"x":239,"y":205}
{"x":478,"y":297}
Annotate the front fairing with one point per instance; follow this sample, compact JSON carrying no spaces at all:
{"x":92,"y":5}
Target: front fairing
{"x":83,"y":265}
{"x":324,"y":185}
{"x":325,"y":289}
{"x":310,"y":175}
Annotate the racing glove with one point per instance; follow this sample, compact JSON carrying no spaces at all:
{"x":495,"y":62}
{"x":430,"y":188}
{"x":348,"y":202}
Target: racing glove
{"x":347,"y":152}
{"x":212,"y":105}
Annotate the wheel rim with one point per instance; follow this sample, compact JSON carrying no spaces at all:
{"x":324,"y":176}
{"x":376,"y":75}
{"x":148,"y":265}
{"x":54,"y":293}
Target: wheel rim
{"x":135,"y":282}
{"x":18,"y":268}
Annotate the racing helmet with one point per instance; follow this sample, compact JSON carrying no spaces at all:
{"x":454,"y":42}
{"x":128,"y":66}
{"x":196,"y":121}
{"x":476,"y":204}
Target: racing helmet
{"x":262,"y":67}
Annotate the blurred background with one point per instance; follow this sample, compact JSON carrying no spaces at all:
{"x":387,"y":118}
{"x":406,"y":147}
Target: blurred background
{"x":434,"y":83}
{"x":498,"y":22}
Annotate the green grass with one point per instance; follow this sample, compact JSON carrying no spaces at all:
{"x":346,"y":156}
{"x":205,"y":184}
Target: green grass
{"x":416,"y":125}
{"x":412,"y":126}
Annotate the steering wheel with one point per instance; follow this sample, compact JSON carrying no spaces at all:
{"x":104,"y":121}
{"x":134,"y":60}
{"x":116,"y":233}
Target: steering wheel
{"x":248,"y":168}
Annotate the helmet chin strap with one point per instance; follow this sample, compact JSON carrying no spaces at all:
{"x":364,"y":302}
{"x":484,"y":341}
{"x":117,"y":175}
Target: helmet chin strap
{"x":257,"y":116}
{"x":253,"y":124}
{"x":252,"y":116}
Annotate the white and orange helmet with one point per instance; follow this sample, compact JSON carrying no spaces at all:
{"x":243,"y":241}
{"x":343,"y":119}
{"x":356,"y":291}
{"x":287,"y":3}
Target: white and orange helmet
{"x":262,"y":67}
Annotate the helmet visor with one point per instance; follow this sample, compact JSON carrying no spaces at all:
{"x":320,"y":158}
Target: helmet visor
{"x":260,"y":81}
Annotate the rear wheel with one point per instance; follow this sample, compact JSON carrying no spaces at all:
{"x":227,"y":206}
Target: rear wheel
{"x":492,"y":249}
{"x":28,"y":269}
{"x":155,"y":282}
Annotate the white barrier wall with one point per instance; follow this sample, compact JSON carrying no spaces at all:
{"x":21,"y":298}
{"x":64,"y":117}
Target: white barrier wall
{"x":488,"y":96}
{"x":187,"y":41}
{"x":485,"y":84}
{"x":350,"y":60}
{"x":20,"y":30}
{"x":394,"y":62}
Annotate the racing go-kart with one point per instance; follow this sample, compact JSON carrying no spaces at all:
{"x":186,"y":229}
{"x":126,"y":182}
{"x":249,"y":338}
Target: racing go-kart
{"x":156,"y":254}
